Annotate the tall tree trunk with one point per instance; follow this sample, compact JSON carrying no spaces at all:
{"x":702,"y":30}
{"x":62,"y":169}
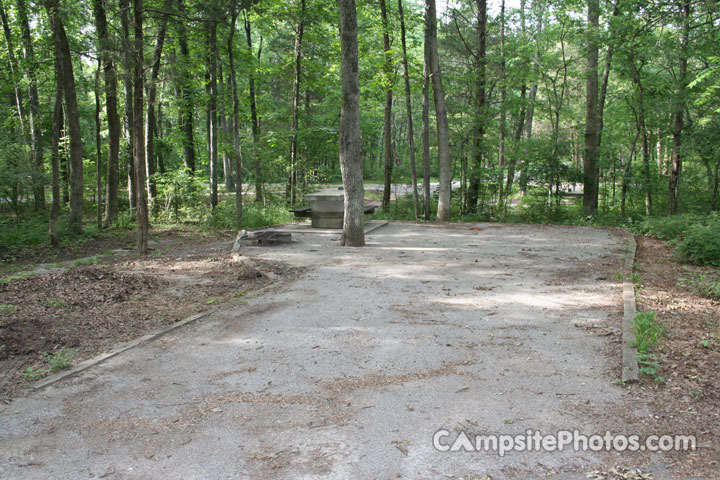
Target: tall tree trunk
{"x":387,"y":117}
{"x":111,"y":101}
{"x":443,"y":213}
{"x":151,"y":100}
{"x":297,"y":55}
{"x":426,"y":130}
{"x":139,"y":151}
{"x":72,"y":114}
{"x":471,"y":200}
{"x":714,"y":203}
{"x":503,"y":114}
{"x":34,"y":106}
{"x":676,"y":167}
{"x":626,"y":172}
{"x":187,"y":100}
{"x":98,"y":150}
{"x":642,"y":130}
{"x":605,"y":80}
{"x":212,"y":110}
{"x":408,"y":107}
{"x":592,"y":126}
{"x":350,"y":147}
{"x":236,"y":119}
{"x":255,"y":126}
{"x":532,"y":95}
{"x":57,"y":122}
{"x":127,"y":74}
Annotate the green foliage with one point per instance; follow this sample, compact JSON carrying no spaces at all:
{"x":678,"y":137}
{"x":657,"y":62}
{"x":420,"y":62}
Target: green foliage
{"x":182,"y":197}
{"x":254,"y":215}
{"x":697,"y":237}
{"x":701,"y":245}
{"x":648,"y":332}
{"x":18,"y":235}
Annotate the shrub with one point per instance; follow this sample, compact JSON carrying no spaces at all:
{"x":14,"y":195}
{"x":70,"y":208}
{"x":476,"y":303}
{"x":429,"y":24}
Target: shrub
{"x":701,"y":245}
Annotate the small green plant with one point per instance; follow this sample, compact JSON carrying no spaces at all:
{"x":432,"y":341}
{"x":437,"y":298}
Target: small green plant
{"x":55,"y":302}
{"x":635,"y":278}
{"x":60,"y":360}
{"x":649,"y":366}
{"x":648,"y":333}
{"x":210,"y":301}
{"x":7,"y":308}
{"x":239,"y":293}
{"x":618,"y":276}
{"x":34,"y":374}
{"x":706,"y":342}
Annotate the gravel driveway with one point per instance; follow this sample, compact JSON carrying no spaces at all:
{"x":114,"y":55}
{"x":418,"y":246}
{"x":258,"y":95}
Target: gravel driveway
{"x":350,"y":371}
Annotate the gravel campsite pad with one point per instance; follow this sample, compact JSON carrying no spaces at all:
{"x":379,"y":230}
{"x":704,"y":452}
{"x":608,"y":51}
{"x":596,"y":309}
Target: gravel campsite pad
{"x":350,"y":370}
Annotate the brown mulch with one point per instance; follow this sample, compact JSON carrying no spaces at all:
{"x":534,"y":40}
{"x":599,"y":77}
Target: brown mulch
{"x":91,"y":308}
{"x":687,"y":401}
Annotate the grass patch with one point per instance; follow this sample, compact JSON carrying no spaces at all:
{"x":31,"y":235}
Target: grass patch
{"x":648,"y":334}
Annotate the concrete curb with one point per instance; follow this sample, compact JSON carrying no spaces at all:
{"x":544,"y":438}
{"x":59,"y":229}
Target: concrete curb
{"x":630,"y":369}
{"x":101,"y":358}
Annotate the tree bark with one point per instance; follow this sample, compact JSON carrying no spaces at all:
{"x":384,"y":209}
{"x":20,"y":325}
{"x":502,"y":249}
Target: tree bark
{"x":187,"y":101}
{"x":678,"y":123}
{"x":471,"y":200}
{"x":111,"y":101}
{"x":34,"y":107}
{"x":236,"y":119}
{"x":57,"y":122}
{"x":503,"y":114}
{"x":443,"y":213}
{"x":408,"y":107}
{"x":151,"y":100}
{"x":127,"y":74}
{"x":592,"y":151}
{"x":72,"y":114}
{"x":297,"y":55}
{"x":387,"y":113}
{"x":98,"y":150}
{"x":255,"y":126}
{"x":426,"y":130}
{"x":138,"y":117}
{"x":212,"y":110}
{"x":350,"y":147}
{"x":642,"y":130}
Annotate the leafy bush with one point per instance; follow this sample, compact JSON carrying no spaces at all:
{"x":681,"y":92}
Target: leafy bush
{"x":701,"y":245}
{"x":697,"y":237}
{"x":669,"y":228}
{"x":254,"y":215}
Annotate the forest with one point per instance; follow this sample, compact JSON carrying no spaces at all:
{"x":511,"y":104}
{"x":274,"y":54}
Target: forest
{"x":126,"y":114}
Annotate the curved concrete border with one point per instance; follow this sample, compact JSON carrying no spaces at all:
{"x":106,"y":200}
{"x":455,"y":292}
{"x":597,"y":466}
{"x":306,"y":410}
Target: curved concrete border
{"x":131,"y":344}
{"x":630,"y":369}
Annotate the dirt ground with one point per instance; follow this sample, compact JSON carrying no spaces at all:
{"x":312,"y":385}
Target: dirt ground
{"x":93,"y":304}
{"x":688,"y":398}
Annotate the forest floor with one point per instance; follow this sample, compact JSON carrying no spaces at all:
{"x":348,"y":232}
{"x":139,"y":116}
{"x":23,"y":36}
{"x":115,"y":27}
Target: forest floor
{"x":91,"y":297}
{"x":348,"y":364}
